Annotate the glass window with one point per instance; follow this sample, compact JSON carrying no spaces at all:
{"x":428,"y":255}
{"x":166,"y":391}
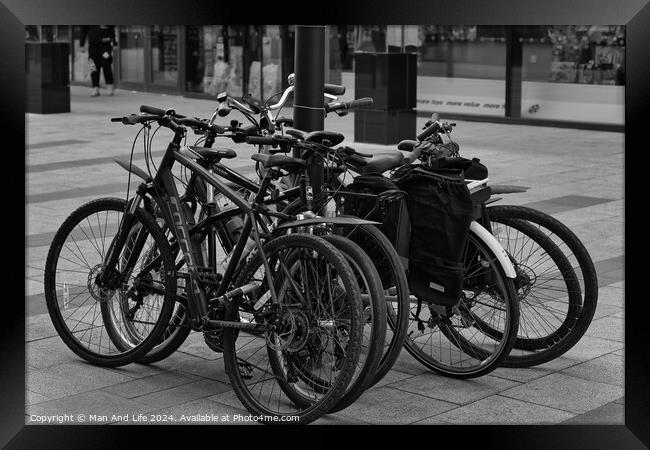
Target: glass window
{"x":164,"y":55}
{"x":271,"y":60}
{"x":573,"y":73}
{"x":131,"y":39}
{"x":461,"y":69}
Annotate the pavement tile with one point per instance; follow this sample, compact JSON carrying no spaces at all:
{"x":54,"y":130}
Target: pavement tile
{"x":182,"y":394}
{"x":453,"y":390}
{"x":612,"y":328}
{"x":605,"y":310}
{"x":48,"y":352}
{"x":567,"y":393}
{"x":609,"y":414}
{"x":154,"y":383}
{"x":194,"y":365}
{"x":386,"y":405}
{"x":508,"y":411}
{"x":39,"y":327}
{"x":610,"y":295}
{"x":605,"y":369}
{"x":32,"y":398}
{"x":70,"y":378}
{"x":393,"y":376}
{"x":405,"y":363}
{"x":522,"y":375}
{"x":586,"y":348}
{"x":100,"y":404}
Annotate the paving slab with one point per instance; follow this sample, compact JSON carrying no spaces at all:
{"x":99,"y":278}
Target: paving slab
{"x":566,"y":393}
{"x":182,"y":394}
{"x":386,"y":405}
{"x":604,"y":369}
{"x":611,"y":328}
{"x":70,"y":378}
{"x":153,"y":383}
{"x":499,"y":410}
{"x":453,"y":390}
{"x":609,"y":414}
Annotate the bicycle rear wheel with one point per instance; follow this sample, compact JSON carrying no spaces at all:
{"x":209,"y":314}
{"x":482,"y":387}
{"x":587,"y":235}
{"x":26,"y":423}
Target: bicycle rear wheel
{"x":395,"y":285}
{"x":315,"y":330}
{"x":563,"y":314}
{"x":118,"y":322}
{"x":453,"y":341}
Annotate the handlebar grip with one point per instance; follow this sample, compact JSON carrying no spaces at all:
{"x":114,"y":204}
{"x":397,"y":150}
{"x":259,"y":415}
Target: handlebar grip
{"x":415,"y":154}
{"x":261,"y":140}
{"x":361,"y":102}
{"x":116,"y":119}
{"x":157,"y":111}
{"x":334,"y":89}
{"x":365,"y":155}
{"x":434,"y":127}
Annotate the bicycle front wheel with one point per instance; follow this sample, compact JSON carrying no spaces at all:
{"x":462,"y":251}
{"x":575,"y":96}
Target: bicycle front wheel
{"x":115,"y":322}
{"x":311,"y":337}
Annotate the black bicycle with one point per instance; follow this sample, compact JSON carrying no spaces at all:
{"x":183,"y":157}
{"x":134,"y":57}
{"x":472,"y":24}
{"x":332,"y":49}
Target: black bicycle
{"x":111,"y":289}
{"x":556,"y":280}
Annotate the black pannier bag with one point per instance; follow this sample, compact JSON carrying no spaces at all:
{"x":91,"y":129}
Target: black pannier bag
{"x":391,"y":213}
{"x":440,"y":208}
{"x":472,"y":168}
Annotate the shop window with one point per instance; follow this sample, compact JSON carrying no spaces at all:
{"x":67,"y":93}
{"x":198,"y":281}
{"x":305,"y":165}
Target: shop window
{"x":574,"y":73}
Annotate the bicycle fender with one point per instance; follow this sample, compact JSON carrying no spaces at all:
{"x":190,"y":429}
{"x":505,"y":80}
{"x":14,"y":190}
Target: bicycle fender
{"x":507,"y":189}
{"x":489,"y":240}
{"x":133,"y":169}
{"x":339,"y":220}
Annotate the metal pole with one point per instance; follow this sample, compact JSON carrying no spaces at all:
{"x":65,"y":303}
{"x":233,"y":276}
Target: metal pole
{"x":308,"y":111}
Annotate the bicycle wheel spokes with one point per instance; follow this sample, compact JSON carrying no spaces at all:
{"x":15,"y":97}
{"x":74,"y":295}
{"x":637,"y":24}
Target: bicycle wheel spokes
{"x":103,"y":321}
{"x":470,"y":338}
{"x":303,"y":362}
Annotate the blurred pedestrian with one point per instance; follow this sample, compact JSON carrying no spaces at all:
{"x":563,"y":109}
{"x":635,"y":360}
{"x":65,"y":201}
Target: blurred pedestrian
{"x":101,"y":40}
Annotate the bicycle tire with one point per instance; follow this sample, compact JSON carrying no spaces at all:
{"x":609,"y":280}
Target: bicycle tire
{"x":456,"y":344}
{"x":581,"y":262}
{"x":234,"y":357}
{"x":370,"y":282}
{"x":116,"y":356}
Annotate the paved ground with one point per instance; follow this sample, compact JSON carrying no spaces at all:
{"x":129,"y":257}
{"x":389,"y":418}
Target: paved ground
{"x":575,"y":175}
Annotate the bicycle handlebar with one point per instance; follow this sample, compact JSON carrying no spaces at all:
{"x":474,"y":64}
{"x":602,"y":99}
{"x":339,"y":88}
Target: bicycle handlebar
{"x":428,"y":131}
{"x":334,"y":89}
{"x":159,"y":112}
{"x":344,"y":106}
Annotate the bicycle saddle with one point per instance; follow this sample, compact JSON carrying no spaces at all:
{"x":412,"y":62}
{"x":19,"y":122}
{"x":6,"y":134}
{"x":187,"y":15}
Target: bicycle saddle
{"x":211,"y":154}
{"x":380,"y":162}
{"x":280,"y":161}
{"x":333,"y":137}
{"x":407,"y":145}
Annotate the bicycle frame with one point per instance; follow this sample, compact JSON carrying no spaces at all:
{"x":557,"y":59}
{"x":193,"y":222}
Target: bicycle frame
{"x":164,"y":191}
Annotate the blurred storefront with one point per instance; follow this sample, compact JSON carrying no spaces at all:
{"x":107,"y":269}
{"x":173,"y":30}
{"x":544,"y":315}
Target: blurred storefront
{"x":556,"y":74}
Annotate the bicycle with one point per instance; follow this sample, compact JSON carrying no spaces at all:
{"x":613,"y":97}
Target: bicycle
{"x":291,"y":325}
{"x":556,"y":279}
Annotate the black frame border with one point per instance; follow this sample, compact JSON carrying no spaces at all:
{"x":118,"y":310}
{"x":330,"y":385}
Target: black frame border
{"x":635,"y":14}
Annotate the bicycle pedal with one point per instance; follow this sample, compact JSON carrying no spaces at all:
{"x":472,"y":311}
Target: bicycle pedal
{"x":207,"y":276}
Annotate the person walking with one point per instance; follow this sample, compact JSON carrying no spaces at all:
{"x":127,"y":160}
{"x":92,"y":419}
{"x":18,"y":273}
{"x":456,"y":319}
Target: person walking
{"x":101,"y":40}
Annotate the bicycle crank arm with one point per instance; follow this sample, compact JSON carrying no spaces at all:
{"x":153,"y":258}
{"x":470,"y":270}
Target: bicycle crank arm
{"x":213,"y":323}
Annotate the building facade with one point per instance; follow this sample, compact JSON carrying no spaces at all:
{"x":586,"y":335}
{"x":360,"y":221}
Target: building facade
{"x":558,"y":74}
